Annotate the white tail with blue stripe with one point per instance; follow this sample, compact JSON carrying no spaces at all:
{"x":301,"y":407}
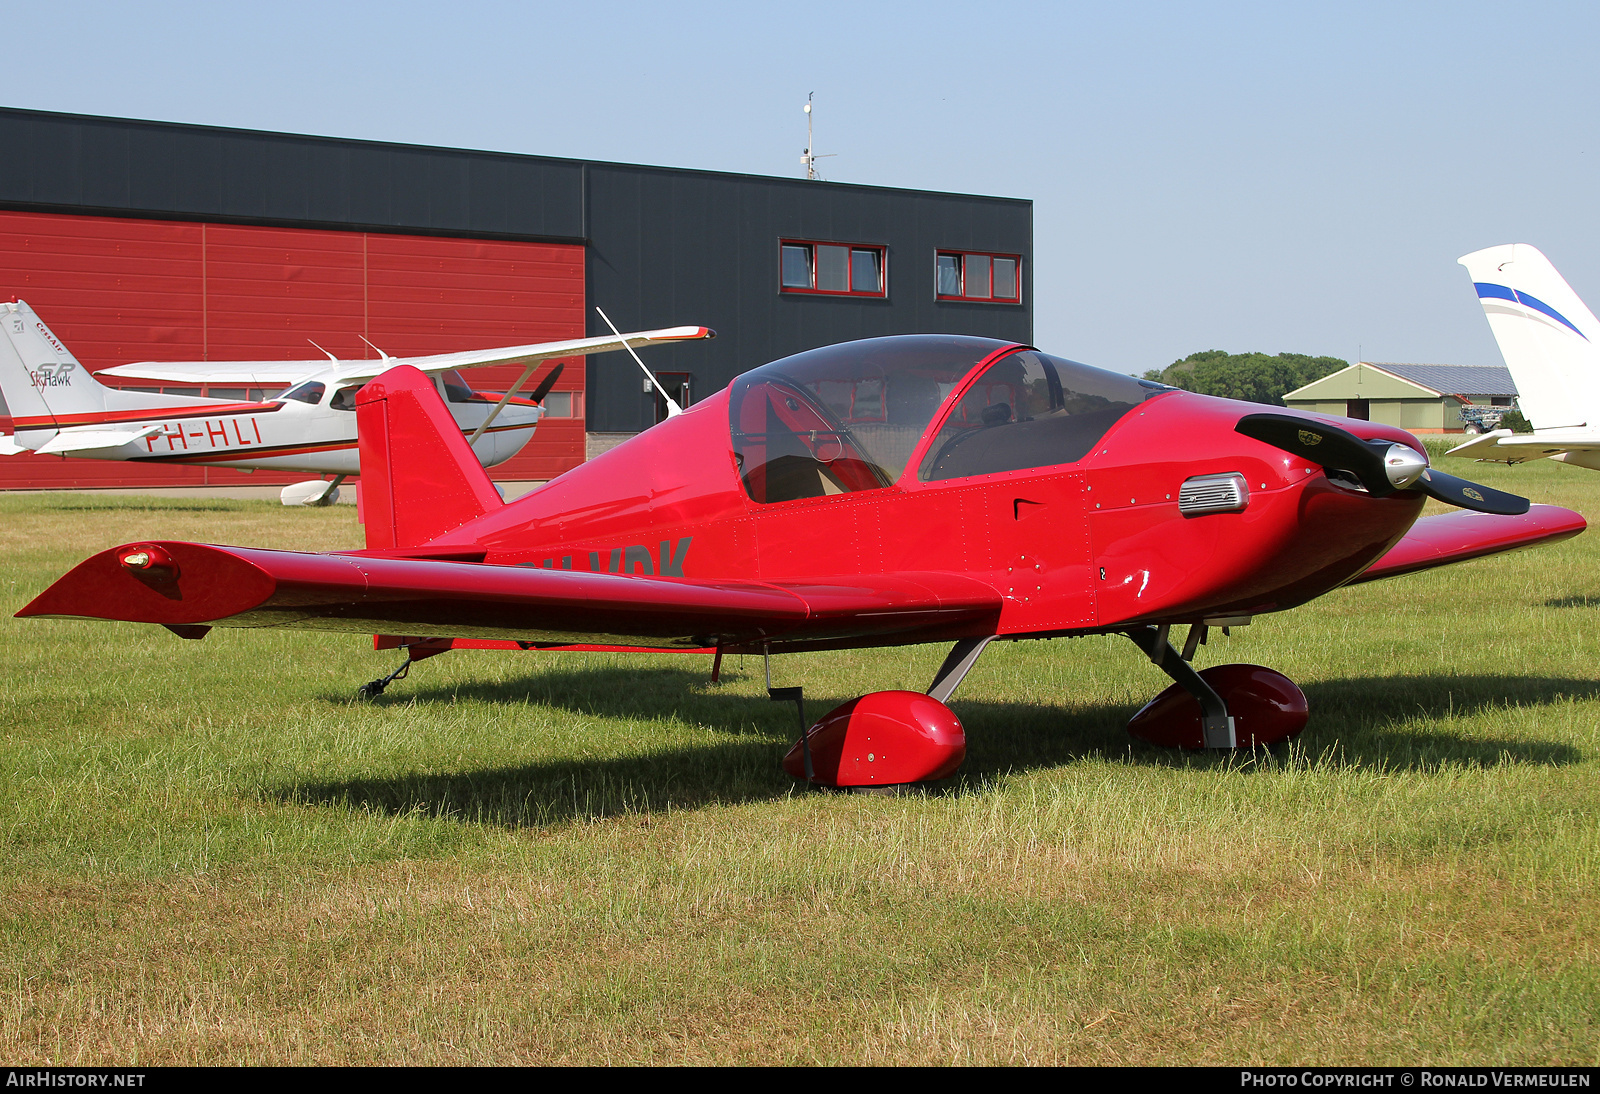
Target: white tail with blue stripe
{"x":1548,"y":336}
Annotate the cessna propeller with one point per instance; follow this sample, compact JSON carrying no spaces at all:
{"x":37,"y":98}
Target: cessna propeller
{"x":1381,"y":467}
{"x":547,"y":383}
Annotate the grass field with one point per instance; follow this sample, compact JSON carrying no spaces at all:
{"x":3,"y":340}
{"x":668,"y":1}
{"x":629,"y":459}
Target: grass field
{"x":213,"y":855}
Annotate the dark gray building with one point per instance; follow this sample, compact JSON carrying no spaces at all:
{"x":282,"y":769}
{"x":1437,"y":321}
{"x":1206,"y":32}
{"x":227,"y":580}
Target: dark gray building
{"x":774,"y":265}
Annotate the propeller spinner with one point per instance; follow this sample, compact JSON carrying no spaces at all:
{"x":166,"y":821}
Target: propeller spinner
{"x":1381,"y":467}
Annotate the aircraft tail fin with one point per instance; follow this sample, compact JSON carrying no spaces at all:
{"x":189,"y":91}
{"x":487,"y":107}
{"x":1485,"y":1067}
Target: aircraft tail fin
{"x":44,"y":385}
{"x":419,"y":478}
{"x":1549,"y":338}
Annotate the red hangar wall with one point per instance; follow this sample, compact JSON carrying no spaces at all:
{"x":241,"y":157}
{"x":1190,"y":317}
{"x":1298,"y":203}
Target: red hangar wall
{"x":119,"y":289}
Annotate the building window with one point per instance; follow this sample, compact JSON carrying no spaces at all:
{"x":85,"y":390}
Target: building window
{"x":966,"y":275}
{"x":834,"y":269}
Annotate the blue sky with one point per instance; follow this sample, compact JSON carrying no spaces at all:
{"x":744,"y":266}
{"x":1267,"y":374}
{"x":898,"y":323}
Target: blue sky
{"x":1266,"y":177}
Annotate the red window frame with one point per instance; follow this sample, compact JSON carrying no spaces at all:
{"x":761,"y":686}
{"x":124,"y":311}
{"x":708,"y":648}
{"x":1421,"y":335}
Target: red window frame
{"x":882,"y":250}
{"x":991,"y":256}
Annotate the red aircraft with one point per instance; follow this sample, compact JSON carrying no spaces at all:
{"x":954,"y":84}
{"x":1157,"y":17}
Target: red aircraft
{"x":921,"y":488}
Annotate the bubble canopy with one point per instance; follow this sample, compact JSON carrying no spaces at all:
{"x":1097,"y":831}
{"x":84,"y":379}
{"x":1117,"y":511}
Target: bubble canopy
{"x":851,"y":416}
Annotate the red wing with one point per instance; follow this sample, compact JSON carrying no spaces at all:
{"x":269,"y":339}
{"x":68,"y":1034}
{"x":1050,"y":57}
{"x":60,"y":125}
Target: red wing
{"x":1463,"y":535}
{"x":192,"y":584}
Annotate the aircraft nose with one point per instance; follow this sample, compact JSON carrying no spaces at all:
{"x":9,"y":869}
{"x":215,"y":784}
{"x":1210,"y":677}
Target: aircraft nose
{"x":1381,"y":469}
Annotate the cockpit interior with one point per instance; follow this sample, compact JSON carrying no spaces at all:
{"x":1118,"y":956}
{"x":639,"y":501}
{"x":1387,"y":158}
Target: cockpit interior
{"x":855,"y":415}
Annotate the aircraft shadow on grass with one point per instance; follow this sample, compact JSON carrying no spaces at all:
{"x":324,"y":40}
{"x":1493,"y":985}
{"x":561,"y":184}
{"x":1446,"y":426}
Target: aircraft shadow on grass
{"x":1365,"y":721}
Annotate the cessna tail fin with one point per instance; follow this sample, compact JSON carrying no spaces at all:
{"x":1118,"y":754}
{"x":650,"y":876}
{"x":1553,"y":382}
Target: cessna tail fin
{"x":1548,"y":337}
{"x":41,"y":380}
{"x":419,"y":478}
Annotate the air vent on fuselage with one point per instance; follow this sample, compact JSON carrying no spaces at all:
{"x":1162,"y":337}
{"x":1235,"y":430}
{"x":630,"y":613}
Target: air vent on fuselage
{"x":1213,"y":494}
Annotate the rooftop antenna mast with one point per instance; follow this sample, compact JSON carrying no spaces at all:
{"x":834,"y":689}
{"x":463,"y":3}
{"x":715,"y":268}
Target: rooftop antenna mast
{"x":808,"y":158}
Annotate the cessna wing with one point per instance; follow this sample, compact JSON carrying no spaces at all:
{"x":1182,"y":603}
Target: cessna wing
{"x":272,"y":373}
{"x":266,"y":374}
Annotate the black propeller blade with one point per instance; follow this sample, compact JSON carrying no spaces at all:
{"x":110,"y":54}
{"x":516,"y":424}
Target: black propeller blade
{"x":1383,"y":467}
{"x":1317,"y":442}
{"x":1469,"y":495}
{"x":546,"y":384}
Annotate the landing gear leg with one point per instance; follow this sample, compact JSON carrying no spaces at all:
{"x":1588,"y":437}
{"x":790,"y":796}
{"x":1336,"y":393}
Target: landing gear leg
{"x":332,"y":491}
{"x":1215,"y":721}
{"x":798,"y":698}
{"x":962,"y":657}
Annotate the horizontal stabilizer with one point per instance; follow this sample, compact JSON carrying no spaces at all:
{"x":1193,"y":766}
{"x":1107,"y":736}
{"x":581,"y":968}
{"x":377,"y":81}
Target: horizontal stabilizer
{"x":10,"y":447}
{"x":194,"y":584}
{"x":90,"y":440}
{"x":1503,"y":446}
{"x":1459,"y":537}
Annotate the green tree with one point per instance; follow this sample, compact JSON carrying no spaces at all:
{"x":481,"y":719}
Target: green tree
{"x":1515,"y":422}
{"x":1253,"y":377}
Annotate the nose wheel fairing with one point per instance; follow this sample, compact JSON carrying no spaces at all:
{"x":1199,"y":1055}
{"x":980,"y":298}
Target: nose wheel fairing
{"x":1264,"y":708}
{"x":1225,"y":706}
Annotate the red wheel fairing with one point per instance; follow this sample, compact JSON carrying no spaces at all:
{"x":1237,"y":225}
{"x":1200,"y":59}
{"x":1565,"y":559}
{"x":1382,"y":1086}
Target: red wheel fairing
{"x":886,"y":738}
{"x":1266,"y":708}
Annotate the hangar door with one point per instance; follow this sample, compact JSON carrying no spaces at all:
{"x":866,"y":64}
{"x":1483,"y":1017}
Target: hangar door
{"x":117,"y":290}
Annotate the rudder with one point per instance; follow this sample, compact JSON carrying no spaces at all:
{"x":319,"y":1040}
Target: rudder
{"x":419,"y":478}
{"x":44,"y":385}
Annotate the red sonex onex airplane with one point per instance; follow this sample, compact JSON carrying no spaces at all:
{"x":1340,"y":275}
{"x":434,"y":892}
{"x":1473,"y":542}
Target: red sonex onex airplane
{"x":923,"y":488}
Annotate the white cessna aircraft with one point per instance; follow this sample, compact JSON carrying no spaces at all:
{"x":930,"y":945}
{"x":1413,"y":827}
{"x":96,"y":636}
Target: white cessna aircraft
{"x":58,"y":407}
{"x":1551,"y":343}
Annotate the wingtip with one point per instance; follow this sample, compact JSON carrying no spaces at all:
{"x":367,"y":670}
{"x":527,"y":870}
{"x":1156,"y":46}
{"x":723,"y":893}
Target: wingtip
{"x":681,"y":334}
{"x":205,"y":583}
